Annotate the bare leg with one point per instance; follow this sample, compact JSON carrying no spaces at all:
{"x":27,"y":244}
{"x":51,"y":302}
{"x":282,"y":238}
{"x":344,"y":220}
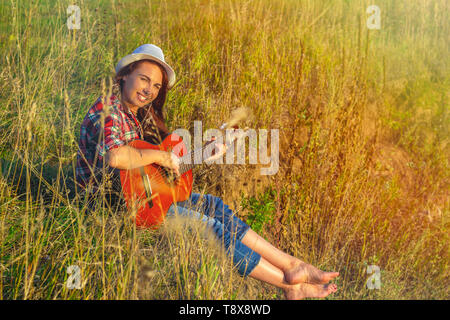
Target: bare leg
{"x":294,"y":269}
{"x":269,"y":273}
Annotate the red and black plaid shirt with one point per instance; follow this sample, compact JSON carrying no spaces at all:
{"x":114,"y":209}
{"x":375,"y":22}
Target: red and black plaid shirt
{"x":120,"y":127}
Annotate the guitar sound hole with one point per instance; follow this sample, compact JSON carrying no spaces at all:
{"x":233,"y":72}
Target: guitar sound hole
{"x":168,"y":175}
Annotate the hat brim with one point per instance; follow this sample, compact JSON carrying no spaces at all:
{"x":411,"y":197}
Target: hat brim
{"x":142,"y":56}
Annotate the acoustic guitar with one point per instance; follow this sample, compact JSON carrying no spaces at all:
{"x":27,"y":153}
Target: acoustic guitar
{"x":151,"y":190}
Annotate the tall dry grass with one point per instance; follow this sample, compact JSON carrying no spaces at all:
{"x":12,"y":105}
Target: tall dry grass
{"x":363,"y":117}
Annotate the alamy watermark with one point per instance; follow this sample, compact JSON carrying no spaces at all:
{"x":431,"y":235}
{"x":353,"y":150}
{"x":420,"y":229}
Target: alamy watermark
{"x":74,"y":279}
{"x":374,"y":281}
{"x":374,"y":20}
{"x":74,"y":20}
{"x":235,"y":140}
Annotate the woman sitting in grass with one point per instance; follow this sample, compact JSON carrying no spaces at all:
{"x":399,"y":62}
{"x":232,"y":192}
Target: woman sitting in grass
{"x":135,"y":112}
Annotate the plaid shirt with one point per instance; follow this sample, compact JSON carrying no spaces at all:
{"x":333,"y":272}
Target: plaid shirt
{"x":120,"y":127}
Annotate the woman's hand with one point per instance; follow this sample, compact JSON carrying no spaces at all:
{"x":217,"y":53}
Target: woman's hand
{"x":218,"y":151}
{"x":171,"y":161}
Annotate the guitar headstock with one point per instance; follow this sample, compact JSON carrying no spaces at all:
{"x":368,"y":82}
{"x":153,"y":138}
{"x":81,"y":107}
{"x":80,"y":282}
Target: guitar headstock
{"x":231,"y":126}
{"x":237,"y":116}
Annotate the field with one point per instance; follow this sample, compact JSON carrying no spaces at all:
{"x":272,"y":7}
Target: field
{"x":364,"y":122}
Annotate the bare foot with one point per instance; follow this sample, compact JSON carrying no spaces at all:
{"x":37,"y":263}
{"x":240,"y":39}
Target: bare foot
{"x":306,"y":290}
{"x":306,"y":273}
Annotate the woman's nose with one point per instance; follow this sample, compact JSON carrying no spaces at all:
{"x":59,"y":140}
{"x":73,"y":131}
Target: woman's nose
{"x":148,"y":89}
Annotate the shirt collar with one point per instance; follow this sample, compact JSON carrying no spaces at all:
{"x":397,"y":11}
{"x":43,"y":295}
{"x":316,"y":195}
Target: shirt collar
{"x":114,"y":100}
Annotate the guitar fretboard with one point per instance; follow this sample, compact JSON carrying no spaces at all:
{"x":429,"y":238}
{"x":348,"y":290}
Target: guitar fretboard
{"x":187,"y":160}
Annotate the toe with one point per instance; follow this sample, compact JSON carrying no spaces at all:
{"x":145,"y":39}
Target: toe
{"x":332,"y":288}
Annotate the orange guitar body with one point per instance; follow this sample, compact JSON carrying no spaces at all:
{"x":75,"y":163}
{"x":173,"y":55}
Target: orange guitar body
{"x":149,"y":190}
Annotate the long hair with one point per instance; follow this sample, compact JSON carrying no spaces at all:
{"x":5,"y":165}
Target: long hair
{"x":151,"y":115}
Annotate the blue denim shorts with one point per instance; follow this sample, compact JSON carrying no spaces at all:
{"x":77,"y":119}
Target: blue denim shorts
{"x":228,"y":228}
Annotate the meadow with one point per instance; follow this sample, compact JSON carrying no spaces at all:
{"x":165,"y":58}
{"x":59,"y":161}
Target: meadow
{"x":364,"y":123}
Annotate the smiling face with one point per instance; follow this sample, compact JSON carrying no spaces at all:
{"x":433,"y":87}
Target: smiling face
{"x":142,"y":85}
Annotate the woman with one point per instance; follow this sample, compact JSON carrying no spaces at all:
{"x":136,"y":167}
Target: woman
{"x":142,"y":81}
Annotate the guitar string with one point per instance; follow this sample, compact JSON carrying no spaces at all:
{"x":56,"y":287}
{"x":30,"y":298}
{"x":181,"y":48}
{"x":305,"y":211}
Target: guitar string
{"x":187,"y":167}
{"x":163,"y":175}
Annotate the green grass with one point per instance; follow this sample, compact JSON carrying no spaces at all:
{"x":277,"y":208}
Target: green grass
{"x":364,"y":133}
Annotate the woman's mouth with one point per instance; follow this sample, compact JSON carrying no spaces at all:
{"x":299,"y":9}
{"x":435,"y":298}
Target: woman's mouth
{"x":141,"y":98}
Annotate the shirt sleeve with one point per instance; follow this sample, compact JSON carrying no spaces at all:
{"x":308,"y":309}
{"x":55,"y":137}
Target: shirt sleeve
{"x":113,"y":134}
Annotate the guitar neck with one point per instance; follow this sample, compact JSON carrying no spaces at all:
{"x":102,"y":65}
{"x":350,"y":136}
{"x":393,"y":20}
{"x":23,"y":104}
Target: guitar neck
{"x":187,"y":160}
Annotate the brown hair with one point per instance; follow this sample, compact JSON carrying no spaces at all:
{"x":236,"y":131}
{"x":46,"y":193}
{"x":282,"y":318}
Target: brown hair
{"x":151,"y":115}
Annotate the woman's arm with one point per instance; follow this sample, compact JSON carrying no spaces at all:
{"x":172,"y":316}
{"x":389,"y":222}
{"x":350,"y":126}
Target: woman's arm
{"x":126,"y":157}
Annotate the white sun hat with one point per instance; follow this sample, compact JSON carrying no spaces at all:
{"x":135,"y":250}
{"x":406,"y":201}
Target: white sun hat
{"x":151,"y":52}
